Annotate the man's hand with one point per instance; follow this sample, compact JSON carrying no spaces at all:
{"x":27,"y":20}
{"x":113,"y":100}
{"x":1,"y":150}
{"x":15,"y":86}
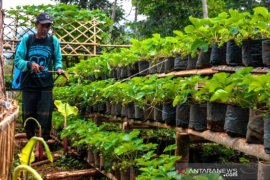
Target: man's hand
{"x":60,"y":71}
{"x":35,"y":67}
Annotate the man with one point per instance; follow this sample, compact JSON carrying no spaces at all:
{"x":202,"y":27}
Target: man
{"x":36,"y":55}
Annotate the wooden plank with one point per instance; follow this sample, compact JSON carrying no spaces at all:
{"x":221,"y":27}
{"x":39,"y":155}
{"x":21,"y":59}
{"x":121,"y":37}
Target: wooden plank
{"x":47,"y":161}
{"x":73,"y":174}
{"x":206,"y":71}
{"x":64,"y":43}
{"x":115,"y":45}
{"x":225,"y":68}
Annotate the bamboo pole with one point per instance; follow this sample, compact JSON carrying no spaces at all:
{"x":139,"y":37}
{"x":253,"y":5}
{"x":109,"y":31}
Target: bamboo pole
{"x":224,"y":68}
{"x":206,"y":71}
{"x":95,"y":36}
{"x":72,"y":174}
{"x":2,"y":85}
{"x":239,"y":144}
{"x":7,"y":140}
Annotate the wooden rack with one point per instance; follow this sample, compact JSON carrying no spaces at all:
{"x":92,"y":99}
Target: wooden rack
{"x":212,"y":70}
{"x":239,"y":144}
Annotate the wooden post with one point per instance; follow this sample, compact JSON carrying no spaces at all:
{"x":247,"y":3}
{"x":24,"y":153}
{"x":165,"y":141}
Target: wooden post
{"x":183,"y":144}
{"x":263,"y":170}
{"x":95,"y":36}
{"x":2,"y":84}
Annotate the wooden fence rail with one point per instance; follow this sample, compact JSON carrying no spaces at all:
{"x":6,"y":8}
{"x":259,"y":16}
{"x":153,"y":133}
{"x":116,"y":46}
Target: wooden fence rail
{"x":9,"y":111}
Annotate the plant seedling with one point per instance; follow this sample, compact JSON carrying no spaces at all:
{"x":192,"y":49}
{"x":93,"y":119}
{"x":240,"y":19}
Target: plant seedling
{"x":66,"y":110}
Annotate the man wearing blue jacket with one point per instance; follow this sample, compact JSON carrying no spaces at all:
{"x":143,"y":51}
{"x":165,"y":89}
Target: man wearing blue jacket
{"x":36,"y":55}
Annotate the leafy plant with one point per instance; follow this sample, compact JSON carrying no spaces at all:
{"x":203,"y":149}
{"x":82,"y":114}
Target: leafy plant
{"x":27,"y":168}
{"x":161,"y":167}
{"x":66,"y":110}
{"x":63,"y":13}
{"x":261,"y":19}
{"x":27,"y":157}
{"x":236,"y":91}
{"x":187,"y":90}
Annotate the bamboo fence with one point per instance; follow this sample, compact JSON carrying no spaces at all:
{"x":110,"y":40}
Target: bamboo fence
{"x":9,"y":111}
{"x":77,"y":38}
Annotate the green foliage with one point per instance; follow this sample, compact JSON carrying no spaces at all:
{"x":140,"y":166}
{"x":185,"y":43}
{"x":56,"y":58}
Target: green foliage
{"x":27,"y":157}
{"x":200,"y":35}
{"x":240,"y":88}
{"x":27,"y":168}
{"x":121,"y":148}
{"x":63,"y":13}
{"x":165,"y":16}
{"x":27,"y":154}
{"x":35,"y":121}
{"x":161,"y":167}
{"x":65,"y":109}
{"x":103,"y":5}
{"x":261,"y":21}
{"x":157,"y":133}
{"x":67,"y":163}
{"x":187,"y":91}
{"x":233,"y":89}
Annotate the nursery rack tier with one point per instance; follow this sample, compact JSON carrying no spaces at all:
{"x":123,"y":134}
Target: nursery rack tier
{"x":222,"y":138}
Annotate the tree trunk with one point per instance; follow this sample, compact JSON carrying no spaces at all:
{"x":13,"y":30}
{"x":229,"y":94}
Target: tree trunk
{"x":113,"y":18}
{"x":83,"y":3}
{"x":136,"y":12}
{"x":205,"y":8}
{"x":2,"y":85}
{"x":114,"y":10}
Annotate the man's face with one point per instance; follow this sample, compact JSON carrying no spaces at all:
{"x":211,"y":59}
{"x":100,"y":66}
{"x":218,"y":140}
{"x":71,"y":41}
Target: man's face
{"x":43,"y":29}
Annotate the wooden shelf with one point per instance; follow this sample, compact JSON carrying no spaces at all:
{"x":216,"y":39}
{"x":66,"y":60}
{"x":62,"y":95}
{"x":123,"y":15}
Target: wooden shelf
{"x":239,"y":144}
{"x":224,"y":68}
{"x":206,"y":71}
{"x":222,"y":138}
{"x":213,"y":70}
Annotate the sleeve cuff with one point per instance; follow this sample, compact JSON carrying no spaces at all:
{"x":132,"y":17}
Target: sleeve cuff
{"x":29,"y":65}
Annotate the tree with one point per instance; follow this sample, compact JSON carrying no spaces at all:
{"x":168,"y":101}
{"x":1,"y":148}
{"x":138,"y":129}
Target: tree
{"x":246,"y":5}
{"x":164,"y":16}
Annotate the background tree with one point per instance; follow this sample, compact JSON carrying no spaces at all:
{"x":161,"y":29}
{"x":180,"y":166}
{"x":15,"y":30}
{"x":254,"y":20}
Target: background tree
{"x":164,"y":16}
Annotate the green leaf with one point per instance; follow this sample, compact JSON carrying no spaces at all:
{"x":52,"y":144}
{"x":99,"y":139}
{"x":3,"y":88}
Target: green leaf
{"x":261,"y":11}
{"x":221,"y":95}
{"x":27,"y":168}
{"x":65,"y":109}
{"x":170,"y":147}
{"x":27,"y":155}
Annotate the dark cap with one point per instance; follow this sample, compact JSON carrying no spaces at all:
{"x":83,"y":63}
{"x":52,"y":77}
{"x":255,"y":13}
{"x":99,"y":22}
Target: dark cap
{"x":44,"y":18}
